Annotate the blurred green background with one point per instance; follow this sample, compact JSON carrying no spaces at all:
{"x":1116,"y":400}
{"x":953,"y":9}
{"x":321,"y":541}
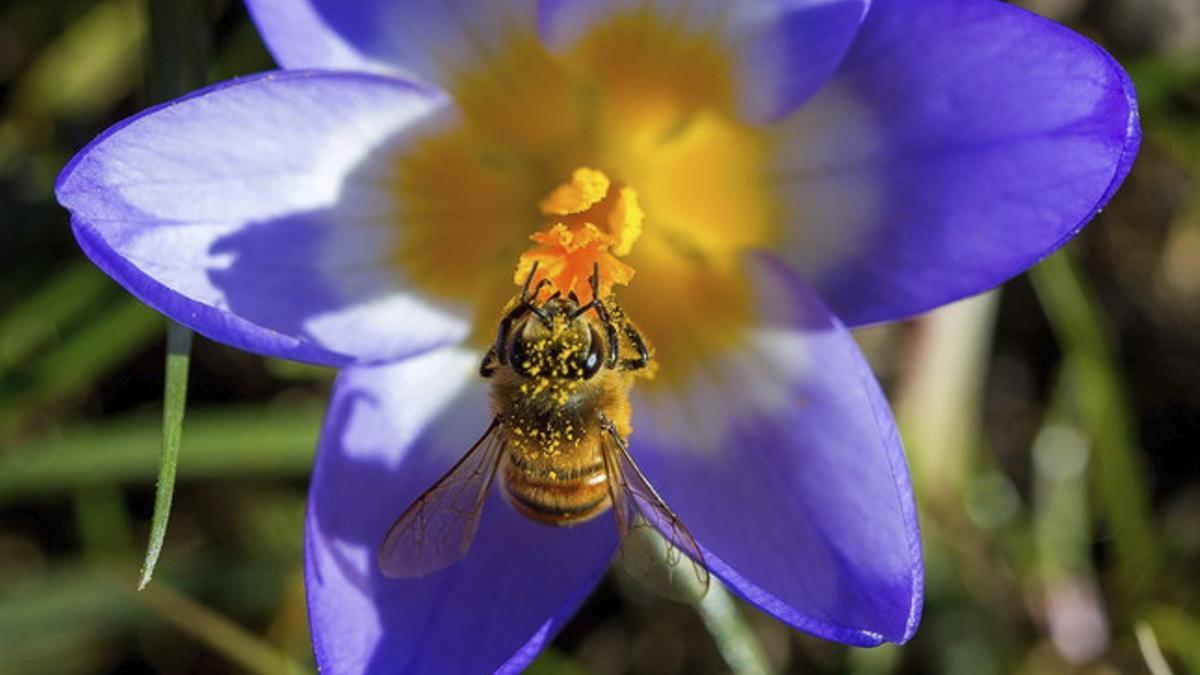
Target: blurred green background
{"x":1053,"y":428}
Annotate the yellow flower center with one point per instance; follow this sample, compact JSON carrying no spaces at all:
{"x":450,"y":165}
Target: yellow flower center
{"x":645,"y":106}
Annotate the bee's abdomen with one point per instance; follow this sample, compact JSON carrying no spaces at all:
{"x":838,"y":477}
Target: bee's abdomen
{"x":555,"y":491}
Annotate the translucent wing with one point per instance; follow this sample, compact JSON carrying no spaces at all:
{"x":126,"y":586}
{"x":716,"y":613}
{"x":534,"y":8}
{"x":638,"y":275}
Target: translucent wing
{"x":650,"y":532}
{"x":436,"y":531}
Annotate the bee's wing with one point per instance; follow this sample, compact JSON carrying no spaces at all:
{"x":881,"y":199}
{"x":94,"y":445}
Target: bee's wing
{"x":645,"y":524}
{"x":436,"y":531}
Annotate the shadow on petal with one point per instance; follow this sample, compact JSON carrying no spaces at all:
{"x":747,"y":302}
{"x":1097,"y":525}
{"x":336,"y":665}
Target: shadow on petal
{"x":333,"y":275}
{"x":258,"y":213}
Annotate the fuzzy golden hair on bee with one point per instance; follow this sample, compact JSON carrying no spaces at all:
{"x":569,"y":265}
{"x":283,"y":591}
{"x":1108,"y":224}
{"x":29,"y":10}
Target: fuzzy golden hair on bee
{"x":560,"y":374}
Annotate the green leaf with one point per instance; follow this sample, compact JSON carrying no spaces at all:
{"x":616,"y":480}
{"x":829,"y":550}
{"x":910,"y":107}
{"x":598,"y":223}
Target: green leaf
{"x":179,"y":346}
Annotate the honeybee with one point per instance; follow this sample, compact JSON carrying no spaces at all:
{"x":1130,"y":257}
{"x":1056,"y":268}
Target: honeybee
{"x":557,"y":440}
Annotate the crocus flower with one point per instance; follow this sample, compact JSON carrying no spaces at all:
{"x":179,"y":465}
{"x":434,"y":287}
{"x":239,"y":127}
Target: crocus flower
{"x":801,"y":165}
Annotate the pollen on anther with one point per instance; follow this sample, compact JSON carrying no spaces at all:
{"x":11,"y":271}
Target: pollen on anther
{"x":592,"y":223}
{"x":585,"y":189}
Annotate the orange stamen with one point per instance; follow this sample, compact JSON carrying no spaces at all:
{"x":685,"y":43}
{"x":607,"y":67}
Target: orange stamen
{"x":592,"y":223}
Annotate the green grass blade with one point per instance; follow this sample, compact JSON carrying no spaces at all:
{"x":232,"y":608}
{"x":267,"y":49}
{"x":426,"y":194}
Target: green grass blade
{"x":222,"y":443}
{"x":94,"y":351}
{"x":87,"y":67}
{"x":39,"y":319}
{"x":553,"y":662}
{"x":1105,"y":416}
{"x":218,"y":632}
{"x":178,"y":47}
{"x":78,"y":360}
{"x":70,"y":617}
{"x":1178,"y":632}
{"x":105,"y":528}
{"x":179,"y":346}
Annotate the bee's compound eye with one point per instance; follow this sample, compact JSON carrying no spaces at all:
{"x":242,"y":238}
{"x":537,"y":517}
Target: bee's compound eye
{"x":518,"y":355}
{"x":595,"y":354}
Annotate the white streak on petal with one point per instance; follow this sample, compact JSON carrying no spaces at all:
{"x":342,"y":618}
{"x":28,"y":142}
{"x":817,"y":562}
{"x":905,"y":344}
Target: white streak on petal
{"x":824,"y":216}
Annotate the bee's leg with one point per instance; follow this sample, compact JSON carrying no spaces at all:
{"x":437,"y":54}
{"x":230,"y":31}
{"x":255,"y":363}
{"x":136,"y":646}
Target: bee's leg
{"x":526,"y":300}
{"x":610,"y":332}
{"x":610,"y":329}
{"x":524,"y":305}
{"x":594,"y":280}
{"x":635,"y":338}
{"x":643,"y":352}
{"x":488,"y":366}
{"x":525,"y":297}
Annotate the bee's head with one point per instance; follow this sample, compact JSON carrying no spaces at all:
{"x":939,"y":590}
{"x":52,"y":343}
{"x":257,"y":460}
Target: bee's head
{"x":554,"y":342}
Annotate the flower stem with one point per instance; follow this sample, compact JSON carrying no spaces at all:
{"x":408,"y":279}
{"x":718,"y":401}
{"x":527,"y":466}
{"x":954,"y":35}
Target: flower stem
{"x":729,"y":629}
{"x":734,"y":638}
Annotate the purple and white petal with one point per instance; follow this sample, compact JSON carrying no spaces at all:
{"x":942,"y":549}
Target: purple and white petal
{"x":259,"y":213}
{"x":781,"y":51}
{"x":783,"y":460}
{"x":960,"y":142}
{"x":391,"y":432}
{"x":425,"y":40}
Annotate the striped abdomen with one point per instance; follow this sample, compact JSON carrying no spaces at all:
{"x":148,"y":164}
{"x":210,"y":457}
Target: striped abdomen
{"x":564,"y":489}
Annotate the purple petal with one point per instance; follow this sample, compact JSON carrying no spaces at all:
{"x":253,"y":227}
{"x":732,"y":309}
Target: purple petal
{"x":960,"y":142}
{"x":258,"y":213}
{"x":784,"y":462}
{"x":782,"y":51}
{"x":391,"y":432}
{"x":419,"y":39}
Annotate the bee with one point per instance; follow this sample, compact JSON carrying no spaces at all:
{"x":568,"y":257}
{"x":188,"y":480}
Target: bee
{"x":557,"y":440}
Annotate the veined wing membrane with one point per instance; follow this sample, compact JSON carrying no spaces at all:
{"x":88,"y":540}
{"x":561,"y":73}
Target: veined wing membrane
{"x":646,"y":525}
{"x":436,"y":530}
